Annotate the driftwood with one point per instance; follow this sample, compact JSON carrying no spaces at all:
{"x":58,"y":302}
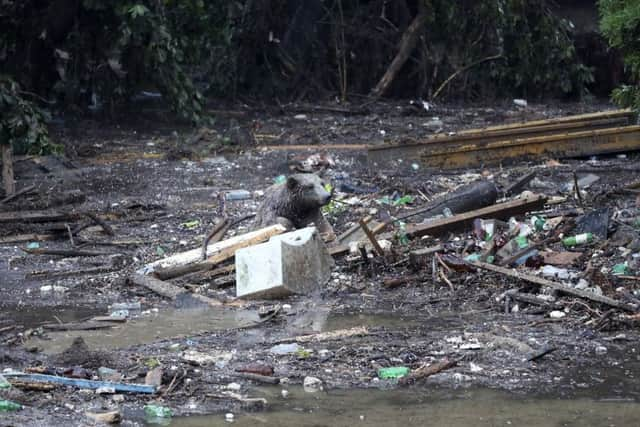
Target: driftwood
{"x":426,"y":371}
{"x":174,"y":292}
{"x":556,"y":286}
{"x":519,"y":184}
{"x":63,"y":252}
{"x":258,"y":378}
{"x":36,"y":216}
{"x":326,"y":336}
{"x":394,"y":282}
{"x":21,"y":238}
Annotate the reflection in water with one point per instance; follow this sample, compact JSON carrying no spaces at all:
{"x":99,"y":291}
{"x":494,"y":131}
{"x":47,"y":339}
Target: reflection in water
{"x":149,"y":328}
{"x":477,"y":408}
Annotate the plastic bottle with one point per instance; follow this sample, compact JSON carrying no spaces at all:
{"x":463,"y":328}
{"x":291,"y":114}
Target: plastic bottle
{"x":8,"y":406}
{"x":393,"y":372}
{"x":156,"y":411}
{"x":237,"y":195}
{"x":579,"y":239}
{"x":538,"y":223}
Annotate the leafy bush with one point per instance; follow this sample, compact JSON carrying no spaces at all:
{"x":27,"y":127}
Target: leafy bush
{"x":620,"y":23}
{"x":22,"y":123}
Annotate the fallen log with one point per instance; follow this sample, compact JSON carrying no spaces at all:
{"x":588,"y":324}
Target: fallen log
{"x":17,"y":193}
{"x":476,"y":195}
{"x":426,"y":371}
{"x":557,"y":286}
{"x":465,"y":220}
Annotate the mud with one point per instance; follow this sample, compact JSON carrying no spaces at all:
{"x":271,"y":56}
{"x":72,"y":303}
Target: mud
{"x":151,"y":201}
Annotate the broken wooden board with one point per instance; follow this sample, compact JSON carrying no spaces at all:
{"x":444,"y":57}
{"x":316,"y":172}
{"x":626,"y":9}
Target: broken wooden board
{"x":556,"y":286}
{"x":216,"y":251}
{"x":560,"y":258}
{"x":514,"y":141}
{"x":465,"y":220}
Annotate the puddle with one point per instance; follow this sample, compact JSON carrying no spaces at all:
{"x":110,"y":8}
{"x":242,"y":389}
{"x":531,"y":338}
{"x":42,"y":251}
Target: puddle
{"x":149,"y":328}
{"x":31,"y":317}
{"x":476,"y":408}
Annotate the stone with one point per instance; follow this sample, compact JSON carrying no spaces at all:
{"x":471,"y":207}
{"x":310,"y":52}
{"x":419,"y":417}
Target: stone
{"x":292,"y":263}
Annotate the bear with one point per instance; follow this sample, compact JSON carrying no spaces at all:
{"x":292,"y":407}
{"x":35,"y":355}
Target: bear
{"x":296,"y":203}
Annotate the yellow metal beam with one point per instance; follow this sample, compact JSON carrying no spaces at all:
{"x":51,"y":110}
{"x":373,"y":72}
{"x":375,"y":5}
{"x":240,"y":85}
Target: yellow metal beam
{"x":411,"y":150}
{"x":613,"y":140}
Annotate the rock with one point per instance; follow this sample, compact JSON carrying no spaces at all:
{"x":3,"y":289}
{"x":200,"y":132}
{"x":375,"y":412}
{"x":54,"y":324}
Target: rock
{"x":292,"y":263}
{"x":108,"y":374}
{"x":154,"y":377}
{"x":111,"y":417}
{"x":312,"y":384}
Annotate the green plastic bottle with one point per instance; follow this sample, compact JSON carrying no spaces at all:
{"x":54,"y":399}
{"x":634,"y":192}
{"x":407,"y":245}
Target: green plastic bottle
{"x":8,"y":406}
{"x":393,"y":372}
{"x":579,"y":239}
{"x":156,"y":411}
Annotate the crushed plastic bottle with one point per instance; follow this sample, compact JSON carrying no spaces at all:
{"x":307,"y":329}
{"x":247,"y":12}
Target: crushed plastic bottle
{"x":156,"y":411}
{"x":237,"y":195}
{"x":4,"y":383}
{"x":9,"y":406}
{"x":393,"y":372}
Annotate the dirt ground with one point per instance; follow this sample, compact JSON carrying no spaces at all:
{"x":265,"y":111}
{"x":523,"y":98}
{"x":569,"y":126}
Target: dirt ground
{"x":159,"y":195}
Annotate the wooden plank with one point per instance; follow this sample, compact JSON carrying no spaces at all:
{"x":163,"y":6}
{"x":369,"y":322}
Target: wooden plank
{"x":465,"y":220}
{"x":556,"y":286}
{"x":216,"y":252}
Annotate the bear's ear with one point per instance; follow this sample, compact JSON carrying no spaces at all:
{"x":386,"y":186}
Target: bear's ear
{"x":292,"y":183}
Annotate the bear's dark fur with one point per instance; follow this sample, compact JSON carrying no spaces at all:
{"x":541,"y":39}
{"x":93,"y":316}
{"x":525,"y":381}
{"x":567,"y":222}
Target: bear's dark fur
{"x":295,"y":203}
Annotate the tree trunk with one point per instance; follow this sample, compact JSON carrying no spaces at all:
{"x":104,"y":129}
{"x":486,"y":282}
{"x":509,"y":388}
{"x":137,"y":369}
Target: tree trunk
{"x":7,"y":170}
{"x":407,"y":44}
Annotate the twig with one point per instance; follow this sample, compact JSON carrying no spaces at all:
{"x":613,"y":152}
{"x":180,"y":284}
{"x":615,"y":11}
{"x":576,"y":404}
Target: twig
{"x":463,"y":69}
{"x":105,"y":227}
{"x":446,"y":280}
{"x":63,"y":252}
{"x":73,"y":243}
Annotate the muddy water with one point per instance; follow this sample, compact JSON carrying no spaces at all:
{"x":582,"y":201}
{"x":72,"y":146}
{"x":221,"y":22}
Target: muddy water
{"x":148,"y":328}
{"x":173,"y":323}
{"x":405,"y":408}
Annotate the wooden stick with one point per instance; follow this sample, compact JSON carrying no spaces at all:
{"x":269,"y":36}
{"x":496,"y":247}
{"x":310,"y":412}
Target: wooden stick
{"x":326,"y":336}
{"x":372,"y":237}
{"x":63,"y":252}
{"x":426,"y":371}
{"x":556,"y":286}
{"x":462,"y":70}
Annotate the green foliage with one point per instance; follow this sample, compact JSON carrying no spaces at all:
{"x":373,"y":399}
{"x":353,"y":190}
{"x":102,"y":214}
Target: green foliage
{"x":620,"y":23}
{"x":22,"y":123}
{"x":538,"y":56}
